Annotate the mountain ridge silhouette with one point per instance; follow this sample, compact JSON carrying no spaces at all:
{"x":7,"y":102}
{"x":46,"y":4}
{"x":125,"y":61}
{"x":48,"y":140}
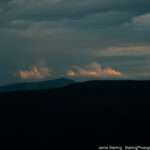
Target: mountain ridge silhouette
{"x":60,"y":82}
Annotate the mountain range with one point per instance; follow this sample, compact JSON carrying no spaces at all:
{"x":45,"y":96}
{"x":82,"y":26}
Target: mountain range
{"x":37,"y":85}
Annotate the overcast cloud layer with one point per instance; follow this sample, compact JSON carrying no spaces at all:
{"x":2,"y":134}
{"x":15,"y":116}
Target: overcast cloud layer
{"x":67,"y":33}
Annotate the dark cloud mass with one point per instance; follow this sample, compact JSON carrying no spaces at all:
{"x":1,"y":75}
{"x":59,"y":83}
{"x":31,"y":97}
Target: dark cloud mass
{"x":66,"y":33}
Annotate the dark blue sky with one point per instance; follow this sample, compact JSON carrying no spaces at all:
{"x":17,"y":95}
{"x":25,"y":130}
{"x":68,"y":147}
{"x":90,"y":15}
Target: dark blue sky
{"x":46,"y":39}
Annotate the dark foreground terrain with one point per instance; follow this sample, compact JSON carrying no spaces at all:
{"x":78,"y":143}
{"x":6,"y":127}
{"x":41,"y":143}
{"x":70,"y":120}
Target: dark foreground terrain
{"x":80,"y":116}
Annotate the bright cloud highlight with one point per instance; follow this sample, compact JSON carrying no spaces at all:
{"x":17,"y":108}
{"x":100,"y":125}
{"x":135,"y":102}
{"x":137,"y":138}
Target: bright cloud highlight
{"x":94,"y":70}
{"x":35,"y":73}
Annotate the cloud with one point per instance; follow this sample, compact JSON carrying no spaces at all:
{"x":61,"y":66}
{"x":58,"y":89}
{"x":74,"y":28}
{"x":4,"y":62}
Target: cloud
{"x":71,"y":73}
{"x":35,"y":73}
{"x":94,"y":70}
{"x":74,"y":31}
{"x":142,"y":19}
{"x":139,"y":23}
{"x":125,"y":51}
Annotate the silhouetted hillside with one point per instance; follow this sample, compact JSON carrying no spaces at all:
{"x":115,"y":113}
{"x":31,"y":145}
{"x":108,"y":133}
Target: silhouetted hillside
{"x":80,"y":116}
{"x":37,"y":85}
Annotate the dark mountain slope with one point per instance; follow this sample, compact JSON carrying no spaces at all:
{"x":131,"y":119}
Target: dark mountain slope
{"x":37,"y":85}
{"x":80,"y":116}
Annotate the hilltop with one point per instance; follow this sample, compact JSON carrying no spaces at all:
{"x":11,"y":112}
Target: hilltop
{"x":26,"y":86}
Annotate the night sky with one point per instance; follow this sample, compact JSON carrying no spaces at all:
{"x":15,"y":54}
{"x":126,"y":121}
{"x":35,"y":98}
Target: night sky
{"x":78,"y":39}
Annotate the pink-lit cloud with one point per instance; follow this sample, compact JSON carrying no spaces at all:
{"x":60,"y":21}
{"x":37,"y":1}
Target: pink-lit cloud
{"x":35,"y":73}
{"x":71,"y":73}
{"x":94,"y":70}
